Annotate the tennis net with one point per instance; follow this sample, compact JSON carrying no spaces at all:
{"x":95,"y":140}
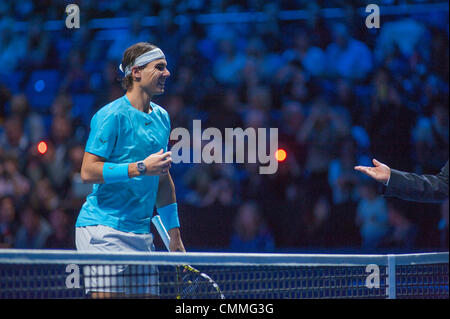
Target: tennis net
{"x":70,"y":274}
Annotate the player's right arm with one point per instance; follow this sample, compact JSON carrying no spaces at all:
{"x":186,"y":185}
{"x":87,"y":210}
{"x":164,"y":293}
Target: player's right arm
{"x":92,"y":168}
{"x":96,"y":169}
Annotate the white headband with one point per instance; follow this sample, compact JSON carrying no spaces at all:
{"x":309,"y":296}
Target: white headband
{"x":143,"y":59}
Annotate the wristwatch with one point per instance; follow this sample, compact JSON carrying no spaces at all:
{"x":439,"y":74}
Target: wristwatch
{"x":141,"y":167}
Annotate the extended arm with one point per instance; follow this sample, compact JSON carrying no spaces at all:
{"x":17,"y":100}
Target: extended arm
{"x":410,"y":186}
{"x":421,"y":188}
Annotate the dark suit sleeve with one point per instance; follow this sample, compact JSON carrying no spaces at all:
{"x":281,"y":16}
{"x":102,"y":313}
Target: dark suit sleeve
{"x":419,"y":188}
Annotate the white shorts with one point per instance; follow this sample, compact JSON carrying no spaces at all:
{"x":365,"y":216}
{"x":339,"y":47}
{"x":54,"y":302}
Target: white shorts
{"x":128,"y":279}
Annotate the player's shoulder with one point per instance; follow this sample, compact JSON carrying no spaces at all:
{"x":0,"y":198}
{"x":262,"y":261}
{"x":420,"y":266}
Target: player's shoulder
{"x":113,"y":109}
{"x":159,"y":109}
{"x":160,"y":112}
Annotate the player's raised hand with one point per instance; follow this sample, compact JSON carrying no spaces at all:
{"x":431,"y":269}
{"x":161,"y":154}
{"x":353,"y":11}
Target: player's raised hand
{"x":158,"y":163}
{"x":380,"y":172}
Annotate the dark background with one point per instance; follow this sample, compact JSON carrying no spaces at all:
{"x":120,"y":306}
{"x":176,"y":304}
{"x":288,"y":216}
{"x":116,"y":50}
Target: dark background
{"x":339,"y":93}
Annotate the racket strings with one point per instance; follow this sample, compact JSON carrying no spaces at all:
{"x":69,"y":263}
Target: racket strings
{"x":192,"y":287}
{"x":196,"y":284}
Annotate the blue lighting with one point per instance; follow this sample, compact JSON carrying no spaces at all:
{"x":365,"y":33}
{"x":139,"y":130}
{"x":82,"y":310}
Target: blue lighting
{"x":39,"y":86}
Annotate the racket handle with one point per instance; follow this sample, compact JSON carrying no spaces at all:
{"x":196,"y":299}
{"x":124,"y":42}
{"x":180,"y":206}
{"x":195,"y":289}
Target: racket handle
{"x":156,"y":220}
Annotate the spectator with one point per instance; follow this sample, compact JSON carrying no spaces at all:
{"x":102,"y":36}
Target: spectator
{"x":75,"y":153}
{"x":14,"y":140}
{"x":221,"y":192}
{"x":297,"y":85}
{"x":12,"y":182}
{"x":431,"y":138}
{"x":38,"y":46}
{"x":312,"y":58}
{"x":62,"y":231}
{"x":390,"y":139}
{"x":136,"y":33}
{"x":62,"y":105}
{"x":230,"y":110}
{"x":346,"y":56}
{"x":259,"y":98}
{"x":443,"y":225}
{"x":33,"y":121}
{"x":55,"y":160}
{"x":250,"y":231}
{"x":34,"y":230}
{"x":316,"y":224}
{"x":77,"y":192}
{"x":392,"y":36}
{"x":342,"y":177}
{"x":403,"y":232}
{"x":109,"y":88}
{"x":288,"y":179}
{"x":260,"y":64}
{"x":11,"y":46}
{"x":75,"y":78}
{"x":346,"y":99}
{"x":43,"y":196}
{"x":321,"y":133}
{"x":372,"y":215}
{"x":254,"y":186}
{"x":317,"y":26}
{"x":8,"y":222}
{"x":197,"y":179}
{"x":293,"y":115}
{"x":55,"y":166}
{"x":229,"y":65}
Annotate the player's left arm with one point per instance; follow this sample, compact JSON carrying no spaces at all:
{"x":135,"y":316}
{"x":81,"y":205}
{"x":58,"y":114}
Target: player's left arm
{"x":166,"y":196}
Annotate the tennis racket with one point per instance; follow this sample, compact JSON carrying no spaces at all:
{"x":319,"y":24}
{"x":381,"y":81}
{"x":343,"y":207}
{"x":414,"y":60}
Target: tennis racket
{"x":192,"y":283}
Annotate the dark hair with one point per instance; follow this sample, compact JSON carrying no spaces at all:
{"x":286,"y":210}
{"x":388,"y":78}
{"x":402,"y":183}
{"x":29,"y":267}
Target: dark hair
{"x":129,"y":56}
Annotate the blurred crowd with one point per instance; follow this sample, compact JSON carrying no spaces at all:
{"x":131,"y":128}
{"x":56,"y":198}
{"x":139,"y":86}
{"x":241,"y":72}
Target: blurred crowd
{"x":340,"y":94}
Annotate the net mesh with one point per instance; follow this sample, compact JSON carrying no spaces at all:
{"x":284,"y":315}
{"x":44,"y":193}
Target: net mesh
{"x":422,"y":281}
{"x":162,"y":278}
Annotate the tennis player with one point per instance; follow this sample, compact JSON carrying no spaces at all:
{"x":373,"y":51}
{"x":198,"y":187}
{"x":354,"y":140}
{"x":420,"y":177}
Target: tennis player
{"x":127,"y":161}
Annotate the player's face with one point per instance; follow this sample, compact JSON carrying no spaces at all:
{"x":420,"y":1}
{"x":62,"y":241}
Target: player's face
{"x":154,"y":75}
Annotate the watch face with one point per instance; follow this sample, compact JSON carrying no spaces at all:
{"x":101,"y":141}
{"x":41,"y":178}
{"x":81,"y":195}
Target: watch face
{"x":141,"y":167}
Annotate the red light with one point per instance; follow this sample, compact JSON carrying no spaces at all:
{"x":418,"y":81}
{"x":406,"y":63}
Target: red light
{"x":280,"y":155}
{"x":42,"y":147}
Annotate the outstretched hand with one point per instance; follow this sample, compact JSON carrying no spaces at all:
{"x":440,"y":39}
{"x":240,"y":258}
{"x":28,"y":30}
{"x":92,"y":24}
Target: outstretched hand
{"x":380,"y":172}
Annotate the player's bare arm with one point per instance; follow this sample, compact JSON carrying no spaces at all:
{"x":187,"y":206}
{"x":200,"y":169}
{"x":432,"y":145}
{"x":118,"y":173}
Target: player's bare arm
{"x":166,"y":196}
{"x":92,"y":168}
